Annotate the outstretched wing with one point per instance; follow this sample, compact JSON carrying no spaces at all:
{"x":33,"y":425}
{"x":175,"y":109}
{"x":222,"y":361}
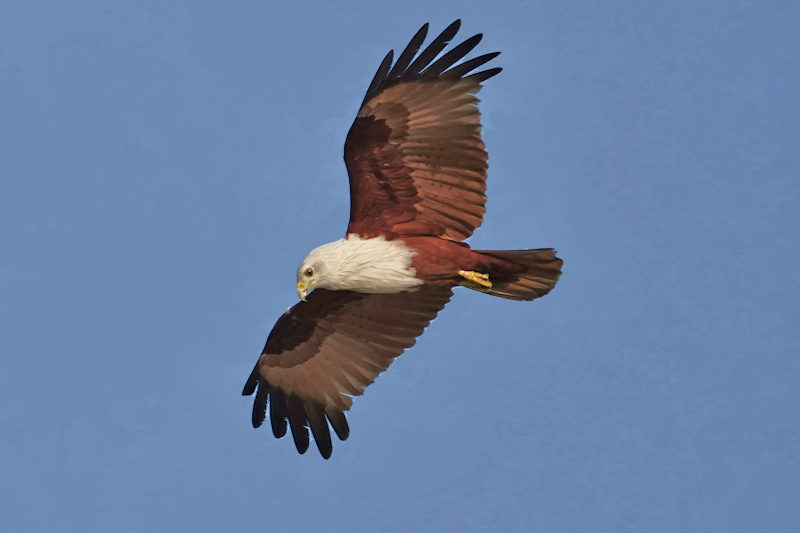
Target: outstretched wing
{"x":414,"y":154}
{"x":324,"y":351}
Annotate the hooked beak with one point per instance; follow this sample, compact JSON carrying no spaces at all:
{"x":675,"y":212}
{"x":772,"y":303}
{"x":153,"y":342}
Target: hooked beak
{"x":302,"y":290}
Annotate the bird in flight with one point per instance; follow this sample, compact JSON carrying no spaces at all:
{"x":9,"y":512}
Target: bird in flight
{"x":417,"y":168}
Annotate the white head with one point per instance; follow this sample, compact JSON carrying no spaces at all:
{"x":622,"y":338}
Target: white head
{"x":311,"y":273}
{"x":355,"y":264}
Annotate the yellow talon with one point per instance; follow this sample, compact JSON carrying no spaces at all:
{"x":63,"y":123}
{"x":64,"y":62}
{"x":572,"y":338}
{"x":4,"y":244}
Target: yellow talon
{"x":476,"y":277}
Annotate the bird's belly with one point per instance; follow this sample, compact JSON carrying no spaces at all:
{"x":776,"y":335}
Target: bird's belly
{"x":439,"y":260}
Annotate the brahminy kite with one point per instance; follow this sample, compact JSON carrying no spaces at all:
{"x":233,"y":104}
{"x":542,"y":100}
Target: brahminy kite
{"x":417,"y":170}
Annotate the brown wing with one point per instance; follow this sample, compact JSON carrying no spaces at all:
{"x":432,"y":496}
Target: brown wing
{"x":414,"y":154}
{"x":324,"y":351}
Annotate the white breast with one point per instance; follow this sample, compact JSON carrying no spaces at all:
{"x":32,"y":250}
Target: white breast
{"x":364,"y":265}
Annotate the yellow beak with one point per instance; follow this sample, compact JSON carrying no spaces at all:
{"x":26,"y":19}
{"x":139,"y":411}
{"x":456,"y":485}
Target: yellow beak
{"x":302,"y":290}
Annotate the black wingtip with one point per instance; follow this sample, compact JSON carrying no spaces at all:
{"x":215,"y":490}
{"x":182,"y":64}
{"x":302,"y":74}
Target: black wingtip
{"x":278,"y":413}
{"x":425,"y":65}
{"x":433,"y":49}
{"x":453,"y":56}
{"x":298,"y":421}
{"x":315,"y":414}
{"x":278,"y":426}
{"x":379,"y":78}
{"x":260,"y":407}
{"x":484,"y":74}
{"x":339,"y":423}
{"x":405,"y":57}
{"x":468,"y":66}
{"x":251,"y":383}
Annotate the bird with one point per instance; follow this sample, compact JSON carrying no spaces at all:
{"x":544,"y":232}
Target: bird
{"x":417,"y":170}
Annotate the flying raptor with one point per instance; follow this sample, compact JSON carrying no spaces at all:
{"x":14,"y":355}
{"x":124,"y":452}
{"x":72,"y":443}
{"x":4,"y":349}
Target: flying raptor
{"x":417,"y":170}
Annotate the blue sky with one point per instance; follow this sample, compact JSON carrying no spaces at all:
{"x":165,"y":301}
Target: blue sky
{"x":164,"y":168}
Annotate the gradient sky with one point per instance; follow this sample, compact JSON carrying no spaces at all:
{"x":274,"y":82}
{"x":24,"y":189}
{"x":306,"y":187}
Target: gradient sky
{"x":164,"y":167}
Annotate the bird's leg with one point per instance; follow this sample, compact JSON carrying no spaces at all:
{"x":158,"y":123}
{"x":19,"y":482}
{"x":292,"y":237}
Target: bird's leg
{"x":476,"y":277}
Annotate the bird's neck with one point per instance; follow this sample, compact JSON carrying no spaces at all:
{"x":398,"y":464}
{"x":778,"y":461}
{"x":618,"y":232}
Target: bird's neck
{"x":368,"y":265}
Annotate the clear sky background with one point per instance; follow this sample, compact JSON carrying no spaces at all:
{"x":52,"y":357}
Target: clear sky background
{"x":164,"y":167}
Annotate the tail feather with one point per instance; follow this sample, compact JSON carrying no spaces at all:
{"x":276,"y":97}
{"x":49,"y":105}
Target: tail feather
{"x":522,"y":274}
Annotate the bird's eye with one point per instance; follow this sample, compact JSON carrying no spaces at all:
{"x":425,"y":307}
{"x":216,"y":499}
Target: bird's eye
{"x":309,"y":272}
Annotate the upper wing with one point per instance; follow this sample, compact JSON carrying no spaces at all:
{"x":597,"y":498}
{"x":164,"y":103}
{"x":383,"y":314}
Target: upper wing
{"x":324,"y":351}
{"x":414,"y":154}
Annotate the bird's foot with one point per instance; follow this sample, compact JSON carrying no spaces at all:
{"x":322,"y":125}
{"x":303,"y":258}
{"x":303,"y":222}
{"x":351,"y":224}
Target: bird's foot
{"x":476,"y":277}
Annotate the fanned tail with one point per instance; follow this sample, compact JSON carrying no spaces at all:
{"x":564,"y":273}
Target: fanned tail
{"x":522,"y":274}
